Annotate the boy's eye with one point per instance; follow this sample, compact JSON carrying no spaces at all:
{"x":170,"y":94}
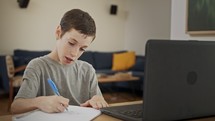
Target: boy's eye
{"x":71,"y":43}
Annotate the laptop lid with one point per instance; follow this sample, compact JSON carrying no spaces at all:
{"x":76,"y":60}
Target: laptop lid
{"x":179,"y":80}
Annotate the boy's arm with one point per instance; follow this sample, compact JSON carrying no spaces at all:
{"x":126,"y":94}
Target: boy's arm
{"x":47,"y":104}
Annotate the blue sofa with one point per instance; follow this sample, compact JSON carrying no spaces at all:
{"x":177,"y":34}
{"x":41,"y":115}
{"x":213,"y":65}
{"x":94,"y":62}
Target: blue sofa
{"x":20,"y":57}
{"x":101,"y":61}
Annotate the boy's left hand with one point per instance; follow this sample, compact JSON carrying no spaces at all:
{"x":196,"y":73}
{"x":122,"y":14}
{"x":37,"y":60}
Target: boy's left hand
{"x":96,"y":102}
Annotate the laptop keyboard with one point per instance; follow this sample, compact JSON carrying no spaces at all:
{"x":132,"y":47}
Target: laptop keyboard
{"x":133,"y":113}
{"x":125,"y":112}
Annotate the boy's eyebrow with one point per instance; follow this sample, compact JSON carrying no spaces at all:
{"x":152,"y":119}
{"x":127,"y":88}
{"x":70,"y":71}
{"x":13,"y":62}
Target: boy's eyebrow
{"x":85,"y":46}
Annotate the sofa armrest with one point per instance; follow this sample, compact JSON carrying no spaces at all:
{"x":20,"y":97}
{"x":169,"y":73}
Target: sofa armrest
{"x":4,"y":80}
{"x":20,"y":68}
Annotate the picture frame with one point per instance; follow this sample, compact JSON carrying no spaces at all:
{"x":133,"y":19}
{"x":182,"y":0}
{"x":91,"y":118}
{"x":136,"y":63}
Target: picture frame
{"x":200,"y":17}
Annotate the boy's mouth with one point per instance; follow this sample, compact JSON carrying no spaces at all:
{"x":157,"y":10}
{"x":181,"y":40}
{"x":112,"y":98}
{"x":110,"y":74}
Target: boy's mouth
{"x":69,"y":59}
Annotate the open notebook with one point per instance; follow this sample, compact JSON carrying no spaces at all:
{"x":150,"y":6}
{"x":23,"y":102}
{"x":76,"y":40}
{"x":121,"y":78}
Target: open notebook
{"x":75,"y":113}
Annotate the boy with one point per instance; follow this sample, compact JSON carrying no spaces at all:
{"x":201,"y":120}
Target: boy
{"x":75,"y":79}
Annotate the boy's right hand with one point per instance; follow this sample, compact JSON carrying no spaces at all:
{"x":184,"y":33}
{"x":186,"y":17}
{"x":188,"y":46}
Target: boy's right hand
{"x":52,"y":104}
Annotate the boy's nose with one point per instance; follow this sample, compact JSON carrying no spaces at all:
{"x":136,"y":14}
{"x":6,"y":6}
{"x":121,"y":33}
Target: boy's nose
{"x":74,"y":52}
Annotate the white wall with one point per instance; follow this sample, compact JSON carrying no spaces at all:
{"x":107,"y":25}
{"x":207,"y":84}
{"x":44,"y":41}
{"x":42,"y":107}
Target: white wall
{"x":178,"y":23}
{"x":147,"y":19}
{"x":33,"y":28}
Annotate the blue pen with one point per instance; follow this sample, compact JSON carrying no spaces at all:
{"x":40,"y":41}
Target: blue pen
{"x":54,"y":88}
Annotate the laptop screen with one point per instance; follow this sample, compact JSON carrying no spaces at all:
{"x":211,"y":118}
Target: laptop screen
{"x":179,"y":80}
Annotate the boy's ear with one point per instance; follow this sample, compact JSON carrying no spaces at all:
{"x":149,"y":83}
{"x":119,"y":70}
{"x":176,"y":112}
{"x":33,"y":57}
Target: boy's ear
{"x":58,"y":32}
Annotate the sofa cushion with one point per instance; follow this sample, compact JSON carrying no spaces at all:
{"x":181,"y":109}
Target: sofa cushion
{"x":88,"y":56}
{"x":103,"y":60}
{"x":23,"y":57}
{"x":139,"y":64}
{"x":123,"y":61}
{"x":29,"y":53}
{"x":18,"y":61}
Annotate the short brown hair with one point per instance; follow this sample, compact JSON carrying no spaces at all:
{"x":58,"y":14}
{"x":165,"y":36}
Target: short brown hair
{"x":78,"y":20}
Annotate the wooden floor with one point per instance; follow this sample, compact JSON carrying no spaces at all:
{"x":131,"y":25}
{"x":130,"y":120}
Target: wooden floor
{"x":3,"y":104}
{"x":114,"y":97}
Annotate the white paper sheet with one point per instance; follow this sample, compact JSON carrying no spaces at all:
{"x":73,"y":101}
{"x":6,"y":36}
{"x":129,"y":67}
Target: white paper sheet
{"x":75,"y":113}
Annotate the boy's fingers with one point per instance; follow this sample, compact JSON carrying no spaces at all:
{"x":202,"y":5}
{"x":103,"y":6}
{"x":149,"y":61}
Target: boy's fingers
{"x":64,"y":101}
{"x":60,"y":108}
{"x":85,"y":104}
{"x":104,"y":104}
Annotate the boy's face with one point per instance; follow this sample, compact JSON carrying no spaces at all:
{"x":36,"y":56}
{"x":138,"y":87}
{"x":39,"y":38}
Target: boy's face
{"x":71,"y":45}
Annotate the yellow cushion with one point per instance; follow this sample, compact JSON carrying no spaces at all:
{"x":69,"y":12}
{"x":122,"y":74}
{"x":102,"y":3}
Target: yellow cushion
{"x":123,"y":61}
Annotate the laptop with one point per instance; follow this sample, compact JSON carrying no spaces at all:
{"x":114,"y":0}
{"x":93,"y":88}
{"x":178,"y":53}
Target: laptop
{"x":179,"y":82}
